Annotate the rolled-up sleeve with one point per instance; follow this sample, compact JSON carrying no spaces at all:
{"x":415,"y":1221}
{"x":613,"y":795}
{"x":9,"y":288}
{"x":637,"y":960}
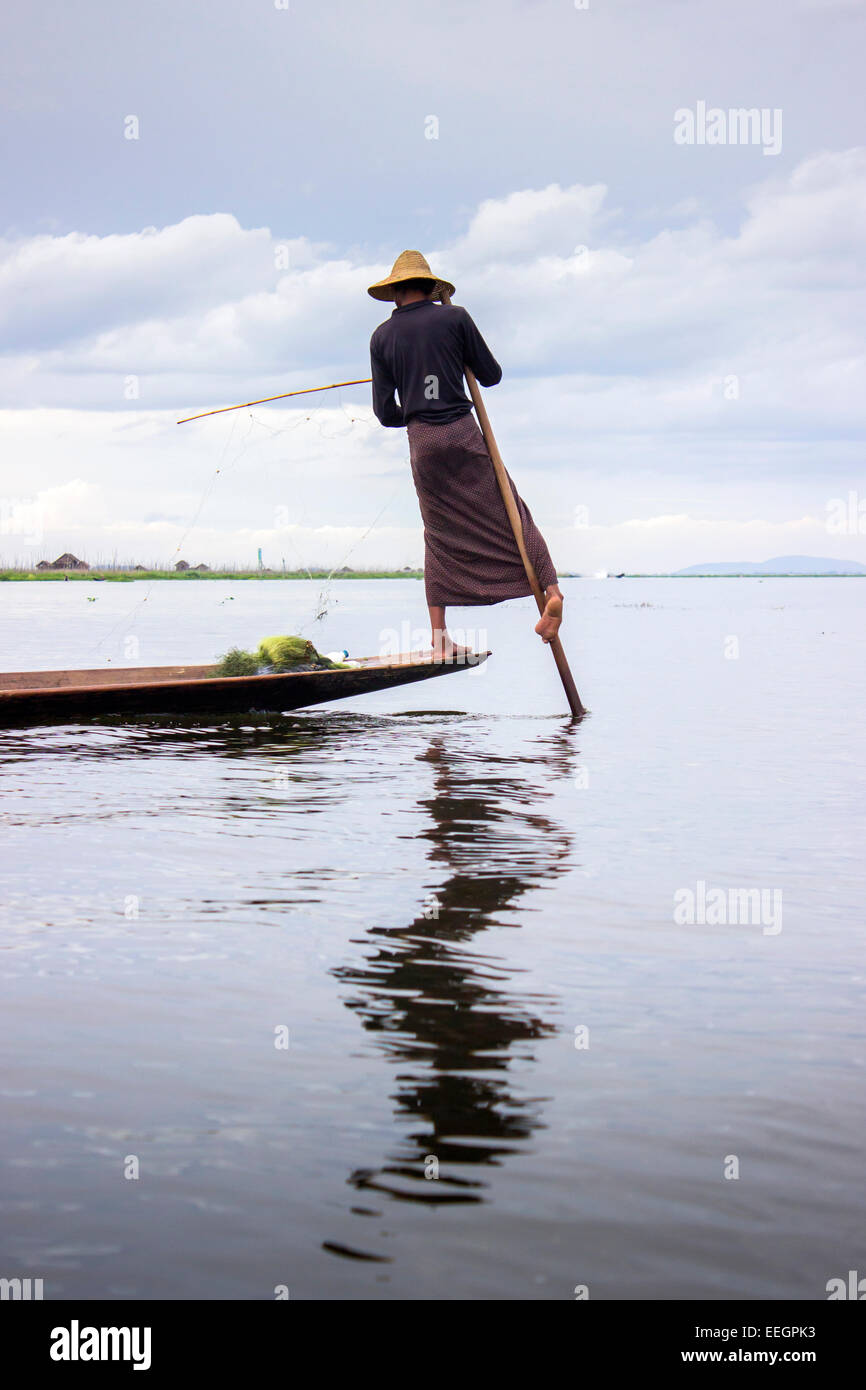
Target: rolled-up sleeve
{"x":477,"y":355}
{"x":385,"y":406}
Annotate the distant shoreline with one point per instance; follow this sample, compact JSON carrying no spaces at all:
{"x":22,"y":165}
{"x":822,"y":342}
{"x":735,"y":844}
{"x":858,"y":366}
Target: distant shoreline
{"x":122,"y":576}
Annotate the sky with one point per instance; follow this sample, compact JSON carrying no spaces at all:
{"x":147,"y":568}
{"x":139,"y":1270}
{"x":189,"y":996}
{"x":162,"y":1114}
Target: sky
{"x":195,"y":197}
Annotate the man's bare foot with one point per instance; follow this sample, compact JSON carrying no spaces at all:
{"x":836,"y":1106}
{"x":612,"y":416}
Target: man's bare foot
{"x":548,"y":624}
{"x":446,"y":650}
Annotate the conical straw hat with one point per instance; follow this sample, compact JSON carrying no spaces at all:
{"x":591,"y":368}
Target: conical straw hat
{"x":409,"y":265}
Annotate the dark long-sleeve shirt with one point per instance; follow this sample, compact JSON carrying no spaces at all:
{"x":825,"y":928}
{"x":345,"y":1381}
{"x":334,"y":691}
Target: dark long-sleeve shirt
{"x":419,"y":352}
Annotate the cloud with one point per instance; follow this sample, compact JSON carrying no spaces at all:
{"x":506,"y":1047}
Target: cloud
{"x":722,"y":367}
{"x":530,"y":225}
{"x":203,"y":310}
{"x":61,"y":290}
{"x":668,"y":542}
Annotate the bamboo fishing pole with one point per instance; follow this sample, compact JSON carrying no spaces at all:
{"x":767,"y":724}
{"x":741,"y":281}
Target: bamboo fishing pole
{"x":307,"y":391}
{"x":503,"y":480}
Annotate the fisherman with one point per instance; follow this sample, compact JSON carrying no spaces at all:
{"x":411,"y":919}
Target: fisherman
{"x":470,"y":554}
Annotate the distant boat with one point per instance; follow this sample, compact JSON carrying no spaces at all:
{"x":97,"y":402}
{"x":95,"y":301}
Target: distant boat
{"x":67,"y":697}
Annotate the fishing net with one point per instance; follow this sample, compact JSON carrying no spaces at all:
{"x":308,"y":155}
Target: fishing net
{"x":259,"y":444}
{"x":277,"y":654}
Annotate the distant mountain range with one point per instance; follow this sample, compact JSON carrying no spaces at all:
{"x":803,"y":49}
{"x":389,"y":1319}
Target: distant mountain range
{"x":781,"y":564}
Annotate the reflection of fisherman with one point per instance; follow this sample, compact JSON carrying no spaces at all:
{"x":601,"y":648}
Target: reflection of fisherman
{"x":453,"y":1019}
{"x":470,"y":554}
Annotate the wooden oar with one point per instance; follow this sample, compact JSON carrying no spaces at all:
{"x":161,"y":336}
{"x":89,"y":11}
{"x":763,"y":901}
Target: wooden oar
{"x":555,"y":645}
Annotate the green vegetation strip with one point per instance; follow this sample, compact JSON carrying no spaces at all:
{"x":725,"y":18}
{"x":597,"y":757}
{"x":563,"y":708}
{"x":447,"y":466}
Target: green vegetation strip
{"x":125,"y":576}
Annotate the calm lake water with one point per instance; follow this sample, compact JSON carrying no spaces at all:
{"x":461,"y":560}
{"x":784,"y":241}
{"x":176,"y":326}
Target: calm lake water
{"x":461,"y":907}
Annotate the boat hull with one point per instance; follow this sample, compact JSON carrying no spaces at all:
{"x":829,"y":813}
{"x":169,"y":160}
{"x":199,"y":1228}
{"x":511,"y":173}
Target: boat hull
{"x":68,"y":697}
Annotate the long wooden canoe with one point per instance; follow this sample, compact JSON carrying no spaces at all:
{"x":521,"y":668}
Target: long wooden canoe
{"x":67,"y":697}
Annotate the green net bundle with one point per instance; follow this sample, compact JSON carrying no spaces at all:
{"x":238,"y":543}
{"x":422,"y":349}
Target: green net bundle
{"x":238,"y":663}
{"x":276,"y":654}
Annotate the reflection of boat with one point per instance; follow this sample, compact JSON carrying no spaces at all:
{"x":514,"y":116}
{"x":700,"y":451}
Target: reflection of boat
{"x":63,"y":697}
